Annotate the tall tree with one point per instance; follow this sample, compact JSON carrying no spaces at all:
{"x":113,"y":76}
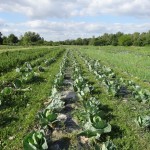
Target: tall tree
{"x":135,"y":38}
{"x":12,"y":39}
{"x":147,"y":40}
{"x":5,"y":41}
{"x":125,"y":40}
{"x":31,"y":38}
{"x":92,"y":40}
{"x":1,"y":39}
{"x":79,"y":41}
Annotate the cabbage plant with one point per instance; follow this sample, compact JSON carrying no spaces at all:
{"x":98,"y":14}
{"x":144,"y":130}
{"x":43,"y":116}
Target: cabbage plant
{"x":95,"y":127}
{"x":35,"y":141}
{"x":108,"y":145}
{"x":47,"y":118}
{"x":143,"y":121}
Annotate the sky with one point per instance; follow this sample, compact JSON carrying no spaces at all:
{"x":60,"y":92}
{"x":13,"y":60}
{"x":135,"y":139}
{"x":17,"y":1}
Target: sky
{"x":70,"y":19}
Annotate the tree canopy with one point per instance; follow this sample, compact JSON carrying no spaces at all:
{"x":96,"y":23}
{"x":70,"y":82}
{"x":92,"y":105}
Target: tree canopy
{"x":1,"y":39}
{"x":119,"y":38}
{"x":31,"y":38}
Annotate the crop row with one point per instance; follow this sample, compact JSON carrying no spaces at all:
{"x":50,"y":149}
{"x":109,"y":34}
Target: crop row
{"x":89,"y":114}
{"x":10,"y":60}
{"x":19,"y":94}
{"x":119,"y":87}
{"x":10,"y":76}
{"x":48,"y":117}
{"x":25,"y":74}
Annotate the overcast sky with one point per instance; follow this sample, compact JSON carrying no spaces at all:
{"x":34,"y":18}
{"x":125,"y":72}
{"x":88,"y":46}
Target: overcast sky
{"x":69,"y":19}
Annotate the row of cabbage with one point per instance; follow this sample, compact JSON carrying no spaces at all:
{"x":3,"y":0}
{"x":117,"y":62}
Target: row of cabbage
{"x":93,"y":125}
{"x":119,"y":87}
{"x":90,"y":116}
{"x":10,"y":60}
{"x":49,"y":117}
{"x":28,"y":73}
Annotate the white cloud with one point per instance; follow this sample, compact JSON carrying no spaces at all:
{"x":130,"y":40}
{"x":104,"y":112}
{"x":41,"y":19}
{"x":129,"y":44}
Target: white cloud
{"x":38,"y":11}
{"x":67,"y":8}
{"x":69,"y":30}
{"x":135,"y":8}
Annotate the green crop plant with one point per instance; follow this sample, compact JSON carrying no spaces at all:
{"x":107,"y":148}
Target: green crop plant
{"x":143,"y":121}
{"x":95,"y":127}
{"x":47,"y":118}
{"x":35,"y":141}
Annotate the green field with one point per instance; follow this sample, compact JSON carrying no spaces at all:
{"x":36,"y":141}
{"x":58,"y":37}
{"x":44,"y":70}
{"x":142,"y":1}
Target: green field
{"x":5,"y":48}
{"x":75,"y":97}
{"x":133,"y":61}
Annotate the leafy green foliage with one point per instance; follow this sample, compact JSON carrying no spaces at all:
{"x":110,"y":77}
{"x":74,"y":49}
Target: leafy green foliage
{"x":28,"y":74}
{"x":35,"y":141}
{"x":10,"y":60}
{"x":138,"y":93}
{"x":41,"y":69}
{"x":17,"y":83}
{"x":5,"y":96}
{"x":143,"y":121}
{"x":18,"y":105}
{"x":10,"y":93}
{"x":47,"y":117}
{"x":59,"y":79}
{"x":31,"y":38}
{"x":56,"y":104}
{"x":92,"y":107}
{"x":49,"y":61}
{"x":116,"y":86}
{"x":90,"y":114}
{"x":108,"y":145}
{"x":95,"y":127}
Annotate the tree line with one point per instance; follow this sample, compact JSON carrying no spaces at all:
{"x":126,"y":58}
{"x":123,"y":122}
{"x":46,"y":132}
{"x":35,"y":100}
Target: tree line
{"x":29,"y":38}
{"x":119,"y":38}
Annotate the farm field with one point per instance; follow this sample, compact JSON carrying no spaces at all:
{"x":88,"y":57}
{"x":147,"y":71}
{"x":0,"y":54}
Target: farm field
{"x":75,"y":97}
{"x":23,"y":92}
{"x":133,"y":61}
{"x":5,"y":48}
